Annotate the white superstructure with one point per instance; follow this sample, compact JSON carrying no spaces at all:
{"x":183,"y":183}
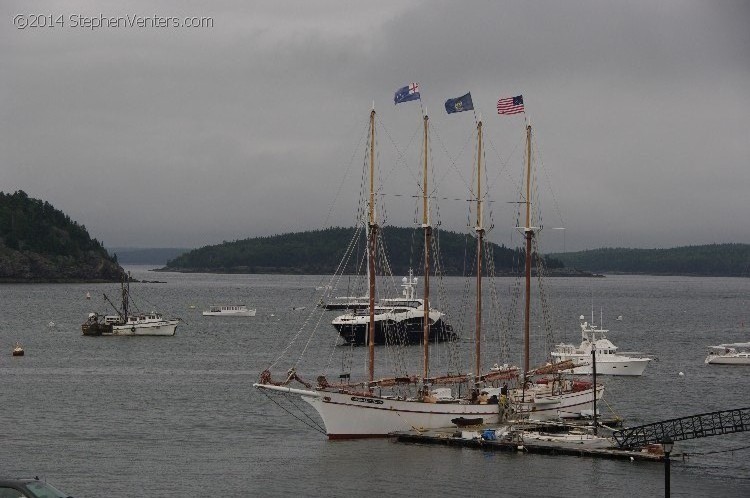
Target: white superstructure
{"x":608,"y":361}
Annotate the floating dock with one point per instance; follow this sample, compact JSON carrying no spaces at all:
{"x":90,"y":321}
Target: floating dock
{"x":547,"y":440}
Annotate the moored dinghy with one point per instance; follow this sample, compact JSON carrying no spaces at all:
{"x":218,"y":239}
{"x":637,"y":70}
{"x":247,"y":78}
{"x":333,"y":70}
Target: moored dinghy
{"x":18,"y":350}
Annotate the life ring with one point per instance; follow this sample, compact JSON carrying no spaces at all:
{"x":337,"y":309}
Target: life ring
{"x":132,"y":329}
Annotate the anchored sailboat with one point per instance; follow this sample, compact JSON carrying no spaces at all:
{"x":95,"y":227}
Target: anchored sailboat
{"x":378,"y":407}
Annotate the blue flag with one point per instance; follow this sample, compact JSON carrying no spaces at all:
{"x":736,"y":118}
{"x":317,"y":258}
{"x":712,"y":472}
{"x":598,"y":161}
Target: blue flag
{"x":460,"y":104}
{"x":407,"y":93}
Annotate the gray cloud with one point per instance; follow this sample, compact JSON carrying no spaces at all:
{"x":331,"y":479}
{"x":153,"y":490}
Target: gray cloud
{"x":163,"y":137}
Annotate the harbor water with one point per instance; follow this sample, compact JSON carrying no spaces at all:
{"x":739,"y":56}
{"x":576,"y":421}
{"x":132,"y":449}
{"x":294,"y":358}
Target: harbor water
{"x":178,"y":416}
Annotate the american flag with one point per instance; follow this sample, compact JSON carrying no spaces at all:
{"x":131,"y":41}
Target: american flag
{"x":511,"y":105}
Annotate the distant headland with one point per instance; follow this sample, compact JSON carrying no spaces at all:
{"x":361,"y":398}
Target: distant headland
{"x":318,"y":252}
{"x":39,"y":243}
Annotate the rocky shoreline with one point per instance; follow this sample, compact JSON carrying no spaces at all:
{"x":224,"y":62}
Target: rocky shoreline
{"x":265,"y":270}
{"x":30,"y":267}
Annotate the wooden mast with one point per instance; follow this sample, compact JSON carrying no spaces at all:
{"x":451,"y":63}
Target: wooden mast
{"x":529,"y":234}
{"x":480,"y":237}
{"x":427,"y":238}
{"x":372,"y":246}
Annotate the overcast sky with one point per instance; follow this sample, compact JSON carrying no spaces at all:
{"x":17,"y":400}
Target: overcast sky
{"x":181,"y":137}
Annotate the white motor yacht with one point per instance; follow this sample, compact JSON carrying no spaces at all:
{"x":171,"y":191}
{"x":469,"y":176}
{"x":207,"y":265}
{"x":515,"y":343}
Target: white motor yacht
{"x":608,"y":361}
{"x":737,"y":353}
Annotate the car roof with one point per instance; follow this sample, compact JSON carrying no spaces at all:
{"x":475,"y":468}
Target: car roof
{"x":17,"y":480}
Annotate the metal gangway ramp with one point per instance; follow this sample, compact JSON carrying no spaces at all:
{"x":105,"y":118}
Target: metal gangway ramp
{"x":679,"y":429}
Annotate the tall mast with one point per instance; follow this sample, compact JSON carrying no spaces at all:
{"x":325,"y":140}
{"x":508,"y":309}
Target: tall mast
{"x":427,"y":237}
{"x":125,"y":295}
{"x":480,"y":237}
{"x":529,"y":234}
{"x":372,"y":238}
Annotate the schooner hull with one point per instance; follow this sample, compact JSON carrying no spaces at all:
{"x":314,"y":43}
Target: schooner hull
{"x":347,"y":416}
{"x":552,"y":407}
{"x":351,"y":416}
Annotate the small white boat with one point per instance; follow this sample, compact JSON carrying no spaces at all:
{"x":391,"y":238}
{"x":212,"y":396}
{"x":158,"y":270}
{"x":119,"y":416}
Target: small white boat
{"x":608,"y":361}
{"x":18,"y":350}
{"x":567,"y":438}
{"x":229,"y":310}
{"x":737,"y":353}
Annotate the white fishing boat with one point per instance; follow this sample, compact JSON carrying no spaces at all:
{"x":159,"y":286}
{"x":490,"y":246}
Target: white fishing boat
{"x":229,"y":310}
{"x":378,"y":407}
{"x":736,"y":353}
{"x":127,"y":322}
{"x":608,"y":360}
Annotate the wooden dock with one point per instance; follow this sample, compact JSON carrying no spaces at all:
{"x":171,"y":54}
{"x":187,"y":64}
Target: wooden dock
{"x":518,"y":441}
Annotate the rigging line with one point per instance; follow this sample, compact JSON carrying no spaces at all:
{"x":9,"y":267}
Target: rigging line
{"x":549,"y":182}
{"x":312,"y":334}
{"x":469,"y":138}
{"x":314,"y":426}
{"x":504,"y":164}
{"x":330,"y":357}
{"x":400,"y":156}
{"x":453,"y":348}
{"x":154,"y":307}
{"x":435,"y":197}
{"x":346,"y":174}
{"x":544,"y":299}
{"x":437,"y":181}
{"x":299,"y":331}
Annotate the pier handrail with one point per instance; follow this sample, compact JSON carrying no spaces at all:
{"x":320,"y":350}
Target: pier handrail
{"x":680,"y":429}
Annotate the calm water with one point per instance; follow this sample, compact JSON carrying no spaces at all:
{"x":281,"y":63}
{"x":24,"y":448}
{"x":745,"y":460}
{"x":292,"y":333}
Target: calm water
{"x":178,"y":417}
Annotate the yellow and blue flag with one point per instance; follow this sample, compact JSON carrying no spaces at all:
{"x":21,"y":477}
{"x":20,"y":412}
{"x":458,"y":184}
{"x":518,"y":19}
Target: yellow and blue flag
{"x":459,"y":104}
